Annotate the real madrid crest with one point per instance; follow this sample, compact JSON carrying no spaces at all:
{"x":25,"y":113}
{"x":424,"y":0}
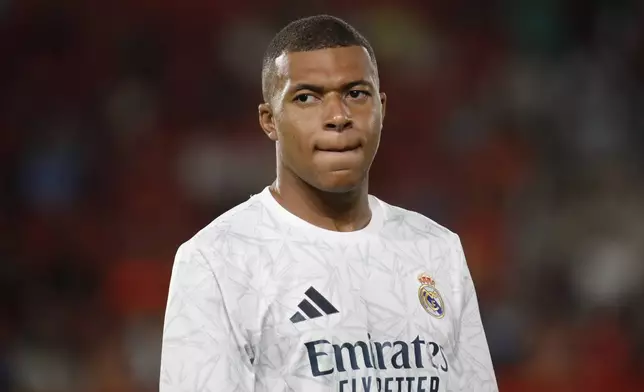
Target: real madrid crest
{"x":430,"y":298}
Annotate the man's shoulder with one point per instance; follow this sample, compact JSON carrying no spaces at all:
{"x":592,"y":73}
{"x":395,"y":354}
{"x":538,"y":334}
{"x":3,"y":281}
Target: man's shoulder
{"x":239,"y":221}
{"x":413,"y":225}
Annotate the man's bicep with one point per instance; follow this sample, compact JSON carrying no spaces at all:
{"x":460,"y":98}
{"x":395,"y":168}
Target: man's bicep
{"x":199,"y":348}
{"x":472,"y":351}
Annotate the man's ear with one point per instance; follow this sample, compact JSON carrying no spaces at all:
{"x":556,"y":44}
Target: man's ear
{"x":267,"y":121}
{"x":383,"y":102}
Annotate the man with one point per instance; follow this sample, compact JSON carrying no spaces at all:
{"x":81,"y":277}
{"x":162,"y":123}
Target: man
{"x":313,"y":284}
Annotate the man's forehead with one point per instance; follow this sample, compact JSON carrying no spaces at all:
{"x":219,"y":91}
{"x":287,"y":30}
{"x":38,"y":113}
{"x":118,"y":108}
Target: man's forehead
{"x":351,"y":62}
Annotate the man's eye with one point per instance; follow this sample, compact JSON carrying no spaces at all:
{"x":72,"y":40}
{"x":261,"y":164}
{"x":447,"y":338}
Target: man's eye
{"x":304,"y":98}
{"x":357,"y":94}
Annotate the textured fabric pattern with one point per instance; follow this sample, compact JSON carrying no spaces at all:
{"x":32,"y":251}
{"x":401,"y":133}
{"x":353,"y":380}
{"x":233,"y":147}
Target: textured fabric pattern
{"x":262,"y":301}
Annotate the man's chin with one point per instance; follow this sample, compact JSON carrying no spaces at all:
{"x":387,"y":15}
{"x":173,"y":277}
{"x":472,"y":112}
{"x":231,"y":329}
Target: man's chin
{"x":339,"y":181}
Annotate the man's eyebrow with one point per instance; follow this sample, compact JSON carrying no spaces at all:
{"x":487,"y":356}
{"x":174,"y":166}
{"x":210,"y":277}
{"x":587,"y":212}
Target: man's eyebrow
{"x":307,"y":86}
{"x":361,"y":82}
{"x":320,"y":89}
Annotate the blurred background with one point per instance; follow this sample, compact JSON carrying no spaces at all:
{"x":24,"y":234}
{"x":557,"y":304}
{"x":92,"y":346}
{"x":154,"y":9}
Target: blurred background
{"x":128,"y":125}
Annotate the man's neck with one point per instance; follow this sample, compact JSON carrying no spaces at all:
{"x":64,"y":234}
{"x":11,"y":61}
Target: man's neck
{"x":332,"y":211}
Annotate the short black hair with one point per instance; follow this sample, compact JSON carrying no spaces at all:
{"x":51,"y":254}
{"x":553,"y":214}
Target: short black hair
{"x":307,"y":34}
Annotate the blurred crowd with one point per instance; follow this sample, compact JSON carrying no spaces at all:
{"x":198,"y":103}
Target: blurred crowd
{"x":128,"y":125}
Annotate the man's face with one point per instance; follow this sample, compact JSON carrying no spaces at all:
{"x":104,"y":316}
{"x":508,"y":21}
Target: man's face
{"x":326,"y":117}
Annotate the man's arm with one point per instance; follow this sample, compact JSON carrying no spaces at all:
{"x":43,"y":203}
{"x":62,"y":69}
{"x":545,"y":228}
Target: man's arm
{"x":473,"y":366}
{"x":202,"y":349}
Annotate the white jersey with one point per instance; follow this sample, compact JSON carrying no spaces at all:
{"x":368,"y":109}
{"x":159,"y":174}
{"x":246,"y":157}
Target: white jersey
{"x":260,"y":300}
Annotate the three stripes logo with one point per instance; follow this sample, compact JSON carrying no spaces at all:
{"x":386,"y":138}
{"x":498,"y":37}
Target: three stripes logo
{"x":308,"y":310}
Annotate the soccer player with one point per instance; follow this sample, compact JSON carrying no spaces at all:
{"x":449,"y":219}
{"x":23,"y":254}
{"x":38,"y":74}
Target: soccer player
{"x":313,"y":284}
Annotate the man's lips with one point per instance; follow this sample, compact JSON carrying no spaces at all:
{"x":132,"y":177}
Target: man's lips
{"x":339,"y":149}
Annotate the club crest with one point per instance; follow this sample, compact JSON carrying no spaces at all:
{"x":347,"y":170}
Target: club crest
{"x":429,"y":296}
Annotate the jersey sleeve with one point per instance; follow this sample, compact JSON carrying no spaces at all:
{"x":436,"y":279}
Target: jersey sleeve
{"x":202,"y":348}
{"x":473,"y":366}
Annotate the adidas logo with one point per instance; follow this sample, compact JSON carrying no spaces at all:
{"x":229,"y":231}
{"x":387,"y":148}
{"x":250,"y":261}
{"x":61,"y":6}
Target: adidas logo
{"x":311,"y":311}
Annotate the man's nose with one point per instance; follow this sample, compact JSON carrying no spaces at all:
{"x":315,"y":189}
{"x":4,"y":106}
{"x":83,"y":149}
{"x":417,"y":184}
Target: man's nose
{"x":338,"y":116}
